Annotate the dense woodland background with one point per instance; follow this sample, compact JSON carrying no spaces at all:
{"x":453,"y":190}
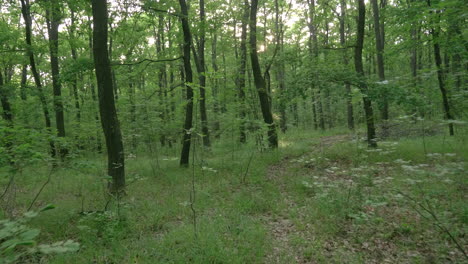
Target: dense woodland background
{"x":241,"y":85}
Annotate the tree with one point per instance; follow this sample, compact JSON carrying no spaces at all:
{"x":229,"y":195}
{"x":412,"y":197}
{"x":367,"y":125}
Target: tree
{"x":441,"y":74}
{"x":25,"y":10}
{"x":369,"y":114}
{"x":109,"y":121}
{"x":379,"y":43}
{"x":349,"y":103}
{"x":53,"y":23}
{"x":187,"y":138}
{"x":260,"y":84}
{"x":200,"y":63}
{"x":241,"y":72}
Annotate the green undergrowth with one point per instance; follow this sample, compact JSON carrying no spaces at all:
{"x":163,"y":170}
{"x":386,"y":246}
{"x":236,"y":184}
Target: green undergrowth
{"x":345,"y":203}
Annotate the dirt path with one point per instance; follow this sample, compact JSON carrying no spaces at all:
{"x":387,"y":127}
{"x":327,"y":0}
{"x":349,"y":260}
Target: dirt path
{"x":280,"y":226}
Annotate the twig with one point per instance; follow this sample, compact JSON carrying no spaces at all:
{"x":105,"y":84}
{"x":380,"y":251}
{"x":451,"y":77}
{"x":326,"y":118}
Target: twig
{"x":146,"y":60}
{"x":436,"y":219}
{"x":161,"y":11}
{"x":248,"y":166}
{"x":8,"y":186}
{"x":193,"y":190}
{"x":42,"y":188}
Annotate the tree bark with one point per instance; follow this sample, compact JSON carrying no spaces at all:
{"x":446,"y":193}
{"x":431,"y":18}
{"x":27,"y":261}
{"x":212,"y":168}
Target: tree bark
{"x":75,"y":77}
{"x":259,"y":80}
{"x":7,"y":115}
{"x":187,"y":138}
{"x":202,"y":77}
{"x":379,"y":44}
{"x":349,"y":102}
{"x":319,"y":121}
{"x":241,"y":73}
{"x":214,"y":55}
{"x":53,"y":22}
{"x":109,"y":121}
{"x":93,"y":92}
{"x":25,"y":10}
{"x":441,"y":75}
{"x":280,"y":72}
{"x":369,"y":114}
{"x":24,"y":79}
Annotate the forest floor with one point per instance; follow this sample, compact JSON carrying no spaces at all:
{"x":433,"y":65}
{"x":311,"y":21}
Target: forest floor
{"x":322,"y":198}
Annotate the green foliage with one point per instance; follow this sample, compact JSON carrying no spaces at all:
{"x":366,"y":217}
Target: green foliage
{"x":19,"y":241}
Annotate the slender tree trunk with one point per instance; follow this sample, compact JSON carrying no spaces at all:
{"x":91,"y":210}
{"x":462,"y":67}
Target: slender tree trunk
{"x":379,"y":43}
{"x":241,"y":74}
{"x":280,"y":72}
{"x":24,"y":79}
{"x":25,"y":10}
{"x":187,"y":138}
{"x":259,"y":80}
{"x":441,"y":74}
{"x":202,"y":78}
{"x":371,"y":139}
{"x":93,"y":92}
{"x":53,"y":22}
{"x":162,"y":80}
{"x":314,"y":109}
{"x":349,"y":102}
{"x":7,"y":115}
{"x":109,"y":121}
{"x":441,"y":79}
{"x":75,"y":78}
{"x":215,"y":88}
{"x":319,"y":121}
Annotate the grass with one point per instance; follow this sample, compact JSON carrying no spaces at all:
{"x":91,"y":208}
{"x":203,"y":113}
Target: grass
{"x":322,"y":198}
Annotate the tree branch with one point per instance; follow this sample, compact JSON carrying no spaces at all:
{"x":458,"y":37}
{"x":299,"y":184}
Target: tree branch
{"x":146,"y":60}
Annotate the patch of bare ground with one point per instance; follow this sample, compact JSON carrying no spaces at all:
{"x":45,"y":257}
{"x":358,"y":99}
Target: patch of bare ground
{"x":281,"y":227}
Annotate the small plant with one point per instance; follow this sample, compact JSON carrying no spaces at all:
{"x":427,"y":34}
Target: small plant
{"x":17,"y":240}
{"x":105,"y":225}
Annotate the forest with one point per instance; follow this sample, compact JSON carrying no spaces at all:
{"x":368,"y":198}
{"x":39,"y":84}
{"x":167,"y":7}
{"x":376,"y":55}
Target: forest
{"x":233,"y":131}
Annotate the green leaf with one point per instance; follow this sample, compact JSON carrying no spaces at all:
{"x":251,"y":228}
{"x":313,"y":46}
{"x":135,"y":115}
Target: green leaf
{"x":29,"y":234}
{"x":47,"y":207}
{"x":60,"y":247}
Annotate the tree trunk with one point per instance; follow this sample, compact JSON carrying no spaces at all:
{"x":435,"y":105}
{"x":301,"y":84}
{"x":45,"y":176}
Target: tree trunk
{"x":440,"y":75}
{"x":319,"y":121}
{"x":25,"y":10}
{"x":280,"y":72}
{"x":379,"y":43}
{"x":259,"y":80}
{"x":214,"y":55}
{"x":441,"y":79}
{"x":24,"y":79}
{"x":187,"y":138}
{"x":109,"y":121}
{"x":7,"y":115}
{"x":241,"y":74}
{"x":53,"y":22}
{"x":93,"y":93}
{"x":202,"y":78}
{"x":162,"y":81}
{"x":75,"y":77}
{"x":371,"y":139}
{"x":349,"y":102}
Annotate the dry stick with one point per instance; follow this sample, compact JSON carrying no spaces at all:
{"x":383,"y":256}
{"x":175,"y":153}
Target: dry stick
{"x":248,"y":166}
{"x":147,"y":60}
{"x":42,"y":188}
{"x":437,"y":221}
{"x":8,"y":186}
{"x":192,"y":192}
